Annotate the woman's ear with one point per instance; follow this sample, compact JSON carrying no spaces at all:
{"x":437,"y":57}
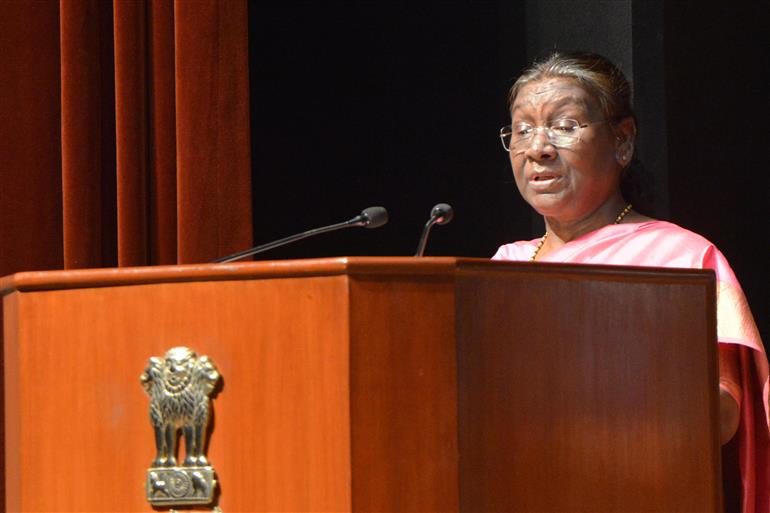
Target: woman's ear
{"x":625,"y":137}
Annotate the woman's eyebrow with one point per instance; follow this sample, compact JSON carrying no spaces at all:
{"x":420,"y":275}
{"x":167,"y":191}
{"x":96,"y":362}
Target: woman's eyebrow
{"x":557,"y":104}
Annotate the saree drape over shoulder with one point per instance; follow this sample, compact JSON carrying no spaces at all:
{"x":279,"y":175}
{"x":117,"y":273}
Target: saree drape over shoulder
{"x":744,"y":376}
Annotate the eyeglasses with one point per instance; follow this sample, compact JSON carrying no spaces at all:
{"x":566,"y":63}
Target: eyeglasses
{"x":560,"y":132}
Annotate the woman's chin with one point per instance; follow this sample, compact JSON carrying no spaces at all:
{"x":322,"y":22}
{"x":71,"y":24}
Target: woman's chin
{"x":547,"y":204}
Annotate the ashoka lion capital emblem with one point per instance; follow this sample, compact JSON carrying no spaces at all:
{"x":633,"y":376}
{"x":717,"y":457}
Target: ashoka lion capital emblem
{"x":179,"y":386}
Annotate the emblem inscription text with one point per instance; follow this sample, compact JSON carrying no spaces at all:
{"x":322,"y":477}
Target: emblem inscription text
{"x":179,"y":386}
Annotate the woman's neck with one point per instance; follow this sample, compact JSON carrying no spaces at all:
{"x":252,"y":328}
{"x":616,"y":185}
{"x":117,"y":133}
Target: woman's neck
{"x":561,"y":231}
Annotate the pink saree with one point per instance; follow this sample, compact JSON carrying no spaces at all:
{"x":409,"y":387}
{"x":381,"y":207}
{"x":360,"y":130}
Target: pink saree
{"x":662,"y":244}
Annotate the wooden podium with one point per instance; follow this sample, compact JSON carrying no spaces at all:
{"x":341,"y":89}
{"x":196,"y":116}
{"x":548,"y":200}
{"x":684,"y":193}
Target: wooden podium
{"x":373,"y":384}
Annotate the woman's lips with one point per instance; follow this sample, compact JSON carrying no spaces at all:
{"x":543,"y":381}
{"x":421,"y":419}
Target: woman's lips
{"x":545,"y":182}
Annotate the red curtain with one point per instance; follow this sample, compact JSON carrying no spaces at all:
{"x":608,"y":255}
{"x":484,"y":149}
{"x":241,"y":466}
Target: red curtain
{"x":124,"y":132}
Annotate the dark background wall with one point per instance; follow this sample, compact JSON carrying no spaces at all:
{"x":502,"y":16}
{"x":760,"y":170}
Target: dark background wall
{"x":717,"y":96}
{"x":358,"y":104}
{"x":398,"y":103}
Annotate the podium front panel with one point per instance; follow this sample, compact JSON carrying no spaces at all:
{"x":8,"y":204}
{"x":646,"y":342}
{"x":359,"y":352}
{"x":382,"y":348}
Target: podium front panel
{"x":80,"y":437}
{"x":587,"y":392}
{"x":372,"y":384}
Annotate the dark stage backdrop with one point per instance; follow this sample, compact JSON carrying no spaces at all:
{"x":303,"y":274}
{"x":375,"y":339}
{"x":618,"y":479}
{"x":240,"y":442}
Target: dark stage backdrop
{"x":398,"y":103}
{"x":391,"y":103}
{"x":717,"y":97}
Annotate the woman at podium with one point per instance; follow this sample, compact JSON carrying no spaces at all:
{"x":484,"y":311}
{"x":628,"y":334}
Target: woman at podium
{"x":570,"y":142}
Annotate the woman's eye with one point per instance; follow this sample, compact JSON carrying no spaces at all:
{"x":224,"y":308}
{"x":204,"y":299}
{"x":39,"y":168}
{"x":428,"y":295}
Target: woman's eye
{"x":564,"y":126}
{"x":522,"y":130}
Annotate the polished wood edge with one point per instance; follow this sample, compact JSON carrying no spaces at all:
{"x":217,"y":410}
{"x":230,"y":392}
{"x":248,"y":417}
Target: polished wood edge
{"x":354,"y":266}
{"x":80,"y":278}
{"x":591,"y":271}
{"x":713,"y":357}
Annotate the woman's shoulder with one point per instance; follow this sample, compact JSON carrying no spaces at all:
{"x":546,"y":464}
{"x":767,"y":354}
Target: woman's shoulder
{"x":670,"y":229}
{"x":666,"y":231}
{"x":666,"y":244}
{"x":517,"y":251}
{"x":645,"y":241}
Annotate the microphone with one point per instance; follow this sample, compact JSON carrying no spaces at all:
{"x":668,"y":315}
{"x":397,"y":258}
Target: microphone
{"x":440,"y":214}
{"x":372,"y":217}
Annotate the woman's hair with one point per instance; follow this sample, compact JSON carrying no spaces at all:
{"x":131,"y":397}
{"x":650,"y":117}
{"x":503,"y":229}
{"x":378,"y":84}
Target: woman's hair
{"x":594,"y":73}
{"x":601,"y":79}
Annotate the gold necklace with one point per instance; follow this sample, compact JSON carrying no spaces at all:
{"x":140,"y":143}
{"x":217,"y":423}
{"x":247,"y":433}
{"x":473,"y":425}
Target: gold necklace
{"x":618,"y":219}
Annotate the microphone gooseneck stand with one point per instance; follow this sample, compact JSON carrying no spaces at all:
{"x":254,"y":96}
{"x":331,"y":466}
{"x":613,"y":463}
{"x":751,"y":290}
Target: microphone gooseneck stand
{"x":372,"y":217}
{"x":440,"y":214}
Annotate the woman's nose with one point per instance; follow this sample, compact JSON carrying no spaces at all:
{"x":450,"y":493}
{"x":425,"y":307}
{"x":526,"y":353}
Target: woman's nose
{"x":539,"y":147}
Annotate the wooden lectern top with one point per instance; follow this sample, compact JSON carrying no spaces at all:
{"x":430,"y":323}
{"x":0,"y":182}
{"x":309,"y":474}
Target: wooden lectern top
{"x":101,"y":277}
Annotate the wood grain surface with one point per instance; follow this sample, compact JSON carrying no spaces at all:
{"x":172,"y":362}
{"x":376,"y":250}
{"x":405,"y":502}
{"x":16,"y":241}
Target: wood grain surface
{"x":372,"y":384}
{"x":579,"y":393}
{"x":82,"y":439}
{"x":403,"y":394}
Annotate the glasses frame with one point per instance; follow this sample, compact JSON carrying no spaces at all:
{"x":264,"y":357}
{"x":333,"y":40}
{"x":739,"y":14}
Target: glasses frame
{"x":548,"y":130}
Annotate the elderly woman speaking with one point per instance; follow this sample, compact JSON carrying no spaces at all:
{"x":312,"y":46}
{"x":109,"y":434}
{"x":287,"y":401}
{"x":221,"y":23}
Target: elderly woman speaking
{"x":570,"y":142}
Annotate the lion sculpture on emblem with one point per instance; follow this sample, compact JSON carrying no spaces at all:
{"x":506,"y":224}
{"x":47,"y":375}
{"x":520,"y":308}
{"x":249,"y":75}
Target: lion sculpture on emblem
{"x":179,"y":386}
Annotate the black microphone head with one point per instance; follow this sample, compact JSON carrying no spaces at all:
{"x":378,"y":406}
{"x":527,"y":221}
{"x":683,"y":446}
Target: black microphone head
{"x":442,"y":213}
{"x":374,"y":217}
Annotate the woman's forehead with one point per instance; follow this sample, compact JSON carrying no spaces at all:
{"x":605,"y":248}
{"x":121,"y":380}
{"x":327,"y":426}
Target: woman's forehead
{"x":552,"y":93}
